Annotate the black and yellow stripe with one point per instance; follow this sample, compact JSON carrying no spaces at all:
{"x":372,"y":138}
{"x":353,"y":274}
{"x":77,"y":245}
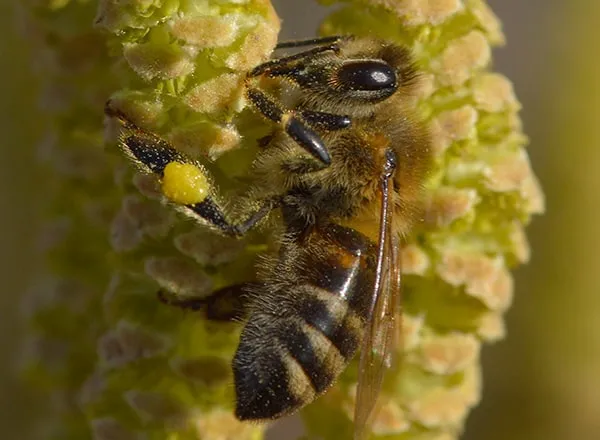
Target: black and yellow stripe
{"x":301,"y":334}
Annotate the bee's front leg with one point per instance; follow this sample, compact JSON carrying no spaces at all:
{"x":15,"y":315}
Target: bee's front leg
{"x":283,"y":64}
{"x":292,"y":123}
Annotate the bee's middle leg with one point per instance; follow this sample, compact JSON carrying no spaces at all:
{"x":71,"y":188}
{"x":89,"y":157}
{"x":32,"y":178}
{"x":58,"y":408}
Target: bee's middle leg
{"x":294,"y":124}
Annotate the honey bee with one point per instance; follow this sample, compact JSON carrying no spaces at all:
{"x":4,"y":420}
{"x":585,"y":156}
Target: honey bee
{"x":344,"y":166}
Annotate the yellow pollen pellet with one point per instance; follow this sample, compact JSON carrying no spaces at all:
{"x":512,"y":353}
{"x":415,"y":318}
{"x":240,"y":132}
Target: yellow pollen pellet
{"x":184,"y":183}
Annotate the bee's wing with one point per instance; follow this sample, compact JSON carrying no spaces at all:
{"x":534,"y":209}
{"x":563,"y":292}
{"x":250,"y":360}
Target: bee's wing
{"x":382,"y":332}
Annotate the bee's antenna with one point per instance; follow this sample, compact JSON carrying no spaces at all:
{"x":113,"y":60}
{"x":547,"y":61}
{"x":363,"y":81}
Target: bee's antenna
{"x":311,"y":41}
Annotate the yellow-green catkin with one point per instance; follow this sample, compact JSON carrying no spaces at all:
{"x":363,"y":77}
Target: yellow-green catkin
{"x":162,"y":372}
{"x":139,"y":369}
{"x":480,"y":196}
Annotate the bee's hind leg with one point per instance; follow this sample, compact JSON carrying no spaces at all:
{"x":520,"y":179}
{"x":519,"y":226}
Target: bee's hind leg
{"x":225,"y":304}
{"x":184,"y":181}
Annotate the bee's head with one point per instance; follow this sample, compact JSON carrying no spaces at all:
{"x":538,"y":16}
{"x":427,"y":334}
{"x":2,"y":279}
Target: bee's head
{"x":372,"y":70}
{"x":363,"y":73}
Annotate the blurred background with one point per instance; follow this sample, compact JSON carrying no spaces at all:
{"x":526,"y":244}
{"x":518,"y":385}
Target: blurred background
{"x":543,"y":381}
{"x":19,"y":215}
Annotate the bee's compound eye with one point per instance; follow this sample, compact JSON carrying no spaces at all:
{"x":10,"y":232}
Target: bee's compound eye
{"x":367,"y":75}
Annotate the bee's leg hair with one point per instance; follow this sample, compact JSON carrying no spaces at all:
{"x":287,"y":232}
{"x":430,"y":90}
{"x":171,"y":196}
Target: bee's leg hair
{"x":326,"y":121}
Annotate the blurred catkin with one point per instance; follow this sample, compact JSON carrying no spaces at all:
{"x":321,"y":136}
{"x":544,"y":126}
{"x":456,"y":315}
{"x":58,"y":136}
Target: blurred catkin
{"x":19,"y":187}
{"x":551,"y":369}
{"x":104,"y":345}
{"x":63,"y":307}
{"x":571,"y":131}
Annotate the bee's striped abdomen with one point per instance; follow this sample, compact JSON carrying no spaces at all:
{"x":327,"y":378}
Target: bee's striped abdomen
{"x":302,"y":333}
